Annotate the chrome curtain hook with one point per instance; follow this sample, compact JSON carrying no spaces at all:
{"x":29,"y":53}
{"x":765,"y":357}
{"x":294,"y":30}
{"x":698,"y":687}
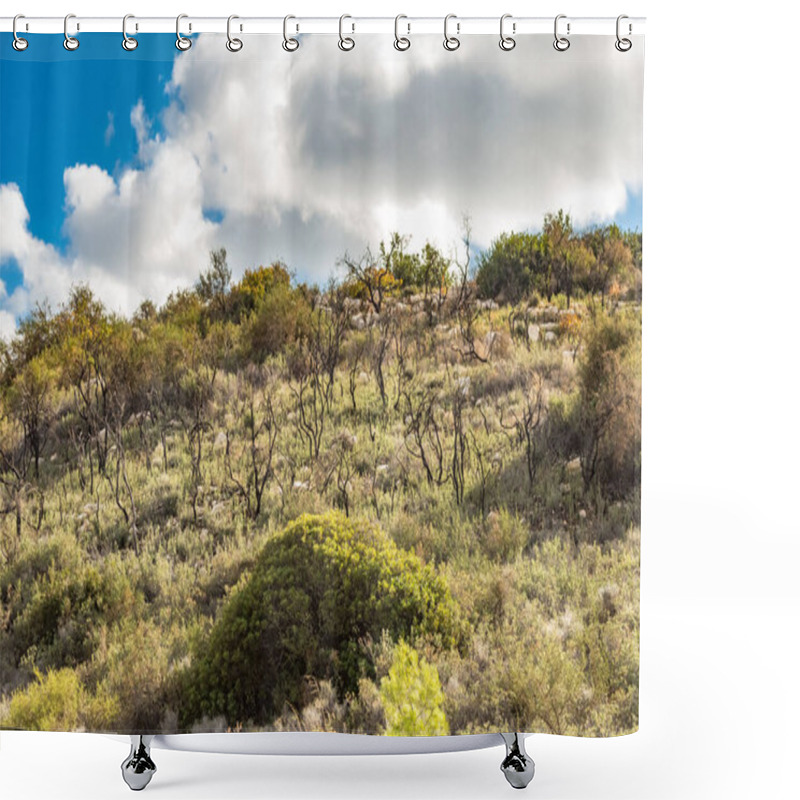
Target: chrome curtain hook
{"x":19,"y":44}
{"x":623,"y":45}
{"x":507,"y":42}
{"x":451,"y":42}
{"x":290,"y":44}
{"x":70,"y":42}
{"x":234,"y":45}
{"x":401,"y":42}
{"x":346,"y":42}
{"x":181,"y":42}
{"x":128,"y":42}
{"x":561,"y":43}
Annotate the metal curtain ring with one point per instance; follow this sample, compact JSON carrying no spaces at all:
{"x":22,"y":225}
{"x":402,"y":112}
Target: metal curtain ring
{"x":128,"y":42}
{"x":623,"y":45}
{"x":345,"y":42}
{"x":401,"y":42}
{"x":451,"y":42}
{"x":70,"y":42}
{"x":561,"y":43}
{"x":19,"y":44}
{"x":290,"y":44}
{"x":507,"y":42}
{"x":234,"y":45}
{"x":181,"y":42}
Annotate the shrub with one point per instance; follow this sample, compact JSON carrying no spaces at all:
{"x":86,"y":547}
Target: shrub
{"x":280,"y":316}
{"x":55,"y":601}
{"x":57,"y":701}
{"x":412,"y":696}
{"x":318,"y":590}
{"x":504,"y":536}
{"x":609,"y":377}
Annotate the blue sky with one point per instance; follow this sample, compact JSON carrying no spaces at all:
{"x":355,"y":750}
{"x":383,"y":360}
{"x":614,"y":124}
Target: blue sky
{"x":67,"y":111}
{"x":323,"y":178}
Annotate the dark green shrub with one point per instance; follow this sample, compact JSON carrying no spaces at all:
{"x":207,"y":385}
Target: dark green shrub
{"x":56,"y":600}
{"x":318,"y":590}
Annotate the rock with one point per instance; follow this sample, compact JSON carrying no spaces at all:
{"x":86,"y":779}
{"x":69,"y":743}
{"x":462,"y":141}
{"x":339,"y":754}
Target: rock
{"x":358,"y":322}
{"x":303,"y":485}
{"x":582,"y":513}
{"x":221,"y":441}
{"x":574,"y":466}
{"x":533,"y":333}
{"x":549,"y":336}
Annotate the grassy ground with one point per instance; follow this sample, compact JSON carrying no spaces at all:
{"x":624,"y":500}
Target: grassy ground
{"x":512,"y":470}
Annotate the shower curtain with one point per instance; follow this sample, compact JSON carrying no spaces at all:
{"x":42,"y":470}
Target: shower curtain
{"x":320,"y":380}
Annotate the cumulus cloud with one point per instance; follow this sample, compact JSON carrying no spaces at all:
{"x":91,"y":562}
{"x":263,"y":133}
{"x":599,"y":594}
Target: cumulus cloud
{"x":304,"y":156}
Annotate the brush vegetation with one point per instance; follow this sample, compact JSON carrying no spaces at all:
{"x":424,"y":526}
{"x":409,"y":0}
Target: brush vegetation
{"x":405,"y":503}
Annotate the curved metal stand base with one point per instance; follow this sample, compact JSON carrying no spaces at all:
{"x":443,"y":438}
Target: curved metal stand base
{"x":138,"y":768}
{"x":517,"y":766}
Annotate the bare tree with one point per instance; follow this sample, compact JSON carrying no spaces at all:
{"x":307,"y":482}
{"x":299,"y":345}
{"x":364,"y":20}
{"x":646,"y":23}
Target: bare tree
{"x":16,"y":457}
{"x":371,"y":275}
{"x":120,"y":483}
{"x":467,"y":310}
{"x":256,"y":408}
{"x":423,"y":432}
{"x":527,"y":422}
{"x":460,"y":450}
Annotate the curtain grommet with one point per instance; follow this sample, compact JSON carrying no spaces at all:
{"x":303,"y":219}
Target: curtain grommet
{"x":401,"y":43}
{"x":560,"y":43}
{"x":233,"y":44}
{"x":507,"y":43}
{"x":346,"y":43}
{"x":183,"y":43}
{"x":129,"y":43}
{"x":451,"y":43}
{"x":18,"y":43}
{"x":70,"y":42}
{"x":289,"y":44}
{"x":623,"y":44}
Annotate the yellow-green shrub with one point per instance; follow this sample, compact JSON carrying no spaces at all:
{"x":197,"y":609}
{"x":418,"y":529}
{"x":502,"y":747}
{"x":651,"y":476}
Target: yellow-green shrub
{"x":318,"y":590}
{"x":412,"y":696}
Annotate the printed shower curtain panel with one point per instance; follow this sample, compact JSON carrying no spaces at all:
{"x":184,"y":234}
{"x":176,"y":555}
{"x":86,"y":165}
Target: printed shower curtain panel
{"x":320,"y":383}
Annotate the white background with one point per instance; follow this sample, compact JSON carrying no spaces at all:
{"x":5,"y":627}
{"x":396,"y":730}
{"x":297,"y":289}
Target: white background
{"x":720,"y":694}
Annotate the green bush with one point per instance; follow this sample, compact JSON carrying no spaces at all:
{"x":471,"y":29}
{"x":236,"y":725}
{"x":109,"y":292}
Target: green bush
{"x":610,"y":412}
{"x":412,"y":696}
{"x":318,"y":591}
{"x":55,"y":601}
{"x":57,"y":701}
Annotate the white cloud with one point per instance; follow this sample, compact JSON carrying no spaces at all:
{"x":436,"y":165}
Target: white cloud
{"x":317,"y":152}
{"x":109,"y":134}
{"x":7,"y":325}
